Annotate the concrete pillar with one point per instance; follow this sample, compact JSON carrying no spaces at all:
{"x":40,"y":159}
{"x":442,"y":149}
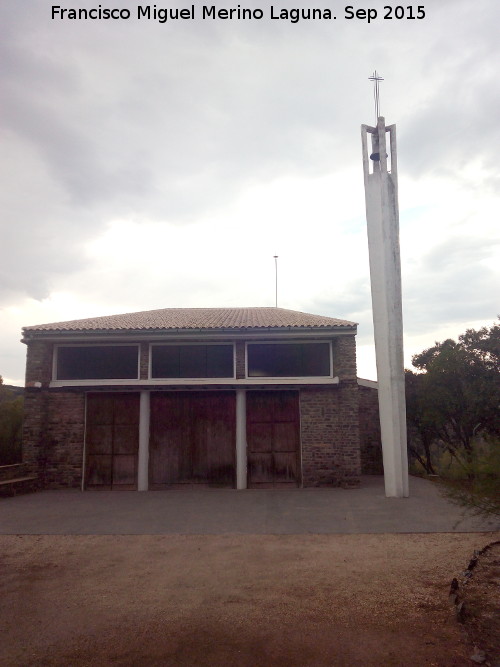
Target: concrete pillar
{"x":381,"y":195}
{"x":143,"y":463}
{"x":241,"y":439}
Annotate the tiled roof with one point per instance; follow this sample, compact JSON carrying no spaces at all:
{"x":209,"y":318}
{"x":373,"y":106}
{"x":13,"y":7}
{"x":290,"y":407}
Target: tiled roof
{"x":197,"y":318}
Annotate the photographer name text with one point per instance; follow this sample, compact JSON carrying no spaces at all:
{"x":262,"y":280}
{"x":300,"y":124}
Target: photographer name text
{"x":238,"y":13}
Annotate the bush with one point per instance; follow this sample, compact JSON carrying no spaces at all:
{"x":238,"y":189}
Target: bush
{"x":11,"y":420}
{"x":476,"y":486}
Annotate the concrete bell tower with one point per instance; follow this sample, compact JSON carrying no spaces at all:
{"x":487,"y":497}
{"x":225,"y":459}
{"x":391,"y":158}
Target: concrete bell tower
{"x":382,"y":215}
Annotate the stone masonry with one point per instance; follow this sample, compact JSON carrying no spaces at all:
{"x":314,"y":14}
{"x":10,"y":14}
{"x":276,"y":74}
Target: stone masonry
{"x":330,"y":417}
{"x":369,"y":432}
{"x":329,"y":424}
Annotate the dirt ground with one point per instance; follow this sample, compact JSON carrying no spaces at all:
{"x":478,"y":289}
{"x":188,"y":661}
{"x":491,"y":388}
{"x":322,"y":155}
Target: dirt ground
{"x":309,"y":600}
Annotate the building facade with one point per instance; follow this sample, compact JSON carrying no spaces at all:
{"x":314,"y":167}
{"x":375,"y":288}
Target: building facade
{"x":237,"y":397}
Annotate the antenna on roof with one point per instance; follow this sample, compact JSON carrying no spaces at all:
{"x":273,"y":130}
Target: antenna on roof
{"x":276,"y":274}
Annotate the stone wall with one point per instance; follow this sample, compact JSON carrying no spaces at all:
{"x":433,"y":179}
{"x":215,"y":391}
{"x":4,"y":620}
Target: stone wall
{"x":330,"y":435}
{"x":39,"y":363}
{"x":144,"y":361}
{"x":34,"y":425}
{"x":369,"y":429}
{"x":344,"y":357}
{"x":240,"y":359}
{"x":53,"y":436}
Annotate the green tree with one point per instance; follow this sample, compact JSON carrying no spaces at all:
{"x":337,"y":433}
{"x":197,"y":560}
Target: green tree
{"x":453,"y":405}
{"x":484,"y":345}
{"x":11,"y":419}
{"x":420,"y":425}
{"x":457,"y":395}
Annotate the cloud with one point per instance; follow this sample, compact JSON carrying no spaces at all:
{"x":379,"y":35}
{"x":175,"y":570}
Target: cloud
{"x":452,"y":283}
{"x":151,"y":164}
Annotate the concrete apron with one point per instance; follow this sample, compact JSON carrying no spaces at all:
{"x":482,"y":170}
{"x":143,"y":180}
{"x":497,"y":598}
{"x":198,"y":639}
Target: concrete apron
{"x":226,"y":511}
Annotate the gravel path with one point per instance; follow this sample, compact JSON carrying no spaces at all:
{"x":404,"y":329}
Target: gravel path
{"x":246,"y":600}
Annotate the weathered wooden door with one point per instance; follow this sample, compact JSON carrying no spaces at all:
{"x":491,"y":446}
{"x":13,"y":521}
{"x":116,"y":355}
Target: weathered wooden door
{"x":112,"y":440}
{"x":273,"y":439}
{"x":192,"y":438}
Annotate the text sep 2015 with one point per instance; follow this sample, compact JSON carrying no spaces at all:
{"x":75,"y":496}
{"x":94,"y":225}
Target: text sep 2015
{"x":211,"y":12}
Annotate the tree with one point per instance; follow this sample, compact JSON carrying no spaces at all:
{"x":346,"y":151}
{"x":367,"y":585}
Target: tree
{"x":456,"y":397}
{"x":420,"y":426}
{"x":11,"y":418}
{"x":453,"y":405}
{"x":485,"y":345}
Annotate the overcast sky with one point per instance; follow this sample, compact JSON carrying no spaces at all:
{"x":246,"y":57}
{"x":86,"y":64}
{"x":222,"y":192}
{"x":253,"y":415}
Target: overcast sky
{"x":149,"y":165}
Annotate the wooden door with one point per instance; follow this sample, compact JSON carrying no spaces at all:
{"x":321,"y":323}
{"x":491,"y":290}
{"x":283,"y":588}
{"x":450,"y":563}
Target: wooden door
{"x":273,"y":439}
{"x":193,"y":438}
{"x":112,"y":440}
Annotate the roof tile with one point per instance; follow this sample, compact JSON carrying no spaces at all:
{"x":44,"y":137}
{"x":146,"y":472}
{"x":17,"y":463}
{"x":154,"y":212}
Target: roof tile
{"x":197,"y":318}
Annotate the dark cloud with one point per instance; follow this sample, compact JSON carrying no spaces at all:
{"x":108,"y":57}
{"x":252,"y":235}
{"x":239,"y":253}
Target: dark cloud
{"x":172,"y":122}
{"x":451,"y":120}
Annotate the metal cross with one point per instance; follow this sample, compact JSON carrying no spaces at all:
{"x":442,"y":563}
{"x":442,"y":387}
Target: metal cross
{"x":376,"y":78}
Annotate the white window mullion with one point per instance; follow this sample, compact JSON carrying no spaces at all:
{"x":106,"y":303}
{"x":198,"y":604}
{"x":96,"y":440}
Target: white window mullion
{"x":241,"y":439}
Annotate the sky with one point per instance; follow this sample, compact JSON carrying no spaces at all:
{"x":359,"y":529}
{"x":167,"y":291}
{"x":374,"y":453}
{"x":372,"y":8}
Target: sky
{"x":155,"y":165}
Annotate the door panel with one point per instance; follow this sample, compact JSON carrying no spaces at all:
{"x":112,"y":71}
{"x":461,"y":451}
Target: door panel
{"x":124,"y":469}
{"x":285,"y":468}
{"x":126,"y":409}
{"x":273,"y":439}
{"x":99,"y":471}
{"x":167,"y":448}
{"x":193,"y":438}
{"x":100,"y":408}
{"x":262,"y":407}
{"x":99,"y":438}
{"x":112,"y":439}
{"x":285,"y":406}
{"x":261,"y":469}
{"x":125,"y":439}
{"x":262,"y":437}
{"x":286,"y":437}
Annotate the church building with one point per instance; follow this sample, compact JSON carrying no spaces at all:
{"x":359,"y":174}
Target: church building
{"x":217,"y":397}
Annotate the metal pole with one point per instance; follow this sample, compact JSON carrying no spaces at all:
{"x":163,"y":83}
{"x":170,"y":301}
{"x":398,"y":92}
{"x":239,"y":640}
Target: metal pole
{"x":276,"y":273}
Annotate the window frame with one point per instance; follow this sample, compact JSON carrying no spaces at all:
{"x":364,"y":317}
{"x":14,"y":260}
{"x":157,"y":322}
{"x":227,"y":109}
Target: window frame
{"x":148,"y":382}
{"x":301,"y":378}
{"x":92,"y":381}
{"x":184,"y":380}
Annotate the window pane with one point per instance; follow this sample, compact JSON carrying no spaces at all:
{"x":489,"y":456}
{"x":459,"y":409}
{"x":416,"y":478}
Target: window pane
{"x":100,"y":362}
{"x":316,"y":360}
{"x":165,"y":361}
{"x":192,"y":361}
{"x":289,"y":360}
{"x":220,"y":361}
{"x":260,"y":361}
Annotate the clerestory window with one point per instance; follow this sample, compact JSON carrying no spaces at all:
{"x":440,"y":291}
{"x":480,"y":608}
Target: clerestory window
{"x":288,"y":360}
{"x":97,"y":362}
{"x":192,"y":361}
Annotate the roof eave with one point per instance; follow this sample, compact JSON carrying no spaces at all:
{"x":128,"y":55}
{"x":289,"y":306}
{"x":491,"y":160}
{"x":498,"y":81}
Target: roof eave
{"x":33,"y":334}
